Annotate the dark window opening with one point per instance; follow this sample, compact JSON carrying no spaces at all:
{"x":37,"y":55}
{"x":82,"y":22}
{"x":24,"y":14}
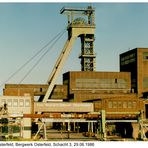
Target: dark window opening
{"x":146,"y":111}
{"x":115,"y":80}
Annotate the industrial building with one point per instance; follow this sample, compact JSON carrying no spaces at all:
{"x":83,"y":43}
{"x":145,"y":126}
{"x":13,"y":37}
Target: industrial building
{"x":99,"y":103}
{"x":135,"y":61}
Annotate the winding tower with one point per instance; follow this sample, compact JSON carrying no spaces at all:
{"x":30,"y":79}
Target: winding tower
{"x":81,"y":23}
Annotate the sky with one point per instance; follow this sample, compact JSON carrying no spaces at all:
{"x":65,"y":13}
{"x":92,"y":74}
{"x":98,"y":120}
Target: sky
{"x":27,"y":27}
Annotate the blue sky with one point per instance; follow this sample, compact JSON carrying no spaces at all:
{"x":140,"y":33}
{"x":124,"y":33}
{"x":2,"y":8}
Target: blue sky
{"x":25,"y":28}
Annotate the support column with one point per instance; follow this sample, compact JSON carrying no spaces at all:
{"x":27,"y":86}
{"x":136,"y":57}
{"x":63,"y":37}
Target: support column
{"x":141,"y":126}
{"x":88,"y":126}
{"x":92,"y":126}
{"x":27,"y":128}
{"x":99,"y":134}
{"x":135,"y":130}
{"x":74,"y":126}
{"x":45,"y":135}
{"x":103,"y":117}
{"x":68,"y":129}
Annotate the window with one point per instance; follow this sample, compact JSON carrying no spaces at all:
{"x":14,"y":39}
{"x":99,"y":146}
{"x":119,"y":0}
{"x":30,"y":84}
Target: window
{"x":129,"y":104}
{"x":15,"y":103}
{"x":27,"y":103}
{"x":9,"y":102}
{"x":132,"y":55}
{"x":110,"y":104}
{"x":145,"y":55}
{"x":120,"y":104}
{"x":115,"y":80}
{"x":3,"y":101}
{"x":122,"y":59}
{"x":124,"y":104}
{"x":21,"y":103}
{"x":134,"y":104}
{"x":114,"y":104}
{"x":145,"y":82}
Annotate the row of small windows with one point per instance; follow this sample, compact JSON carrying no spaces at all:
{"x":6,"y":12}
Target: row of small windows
{"x":16,"y":102}
{"x":122,"y":105}
{"x":130,"y":56}
{"x":128,"y":61}
{"x":101,"y":83}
